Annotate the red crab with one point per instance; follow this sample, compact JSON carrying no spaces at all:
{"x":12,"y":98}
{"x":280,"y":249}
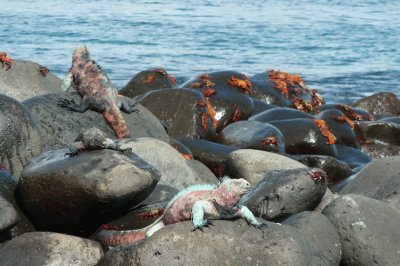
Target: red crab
{"x":151,"y":213}
{"x":5,"y":60}
{"x":43,"y":71}
{"x":243,"y":84}
{"x":270,"y":140}
{"x":323,"y":127}
{"x":318,"y":175}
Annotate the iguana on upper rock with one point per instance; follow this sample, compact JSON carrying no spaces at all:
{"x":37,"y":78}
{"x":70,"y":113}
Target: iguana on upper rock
{"x":97,"y":91}
{"x":93,"y":139}
{"x":199,"y":203}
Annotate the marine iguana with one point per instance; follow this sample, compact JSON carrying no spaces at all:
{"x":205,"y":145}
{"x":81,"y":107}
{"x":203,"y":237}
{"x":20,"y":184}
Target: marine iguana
{"x":97,"y":91}
{"x":93,"y":139}
{"x":201,"y":203}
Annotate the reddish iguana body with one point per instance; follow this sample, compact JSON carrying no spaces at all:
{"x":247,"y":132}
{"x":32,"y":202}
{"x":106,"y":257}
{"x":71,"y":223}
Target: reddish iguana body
{"x":199,"y":203}
{"x":97,"y":91}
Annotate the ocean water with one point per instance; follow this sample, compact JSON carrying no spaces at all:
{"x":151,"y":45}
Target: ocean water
{"x":345,"y":49}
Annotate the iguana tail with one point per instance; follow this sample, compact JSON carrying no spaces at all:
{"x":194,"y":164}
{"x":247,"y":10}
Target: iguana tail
{"x":114,"y":117}
{"x":115,"y":237}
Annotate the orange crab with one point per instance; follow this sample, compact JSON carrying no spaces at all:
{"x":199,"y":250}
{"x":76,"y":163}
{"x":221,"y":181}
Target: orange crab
{"x":187,"y":157}
{"x":211,"y":111}
{"x":209,"y":92}
{"x":283,"y":80}
{"x":318,"y":175}
{"x":172,"y":79}
{"x":302,"y":105}
{"x":323,"y":127}
{"x":353,"y":115}
{"x":195,"y":85}
{"x":5,"y":60}
{"x":243,"y":84}
{"x":43,"y":71}
{"x":149,"y":79}
{"x":151,"y":213}
{"x":161,"y":71}
{"x":204,"y":120}
{"x":270,"y":140}
{"x":344,"y":118}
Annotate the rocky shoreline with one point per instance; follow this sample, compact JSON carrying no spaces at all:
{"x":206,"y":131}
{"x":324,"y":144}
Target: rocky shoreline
{"x":270,"y":129}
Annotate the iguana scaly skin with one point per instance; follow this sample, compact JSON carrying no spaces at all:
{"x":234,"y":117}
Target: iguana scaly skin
{"x":97,"y":91}
{"x":199,"y":203}
{"x":93,"y":139}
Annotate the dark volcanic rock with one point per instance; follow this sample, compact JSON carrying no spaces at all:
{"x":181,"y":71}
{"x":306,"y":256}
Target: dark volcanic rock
{"x":352,"y":113}
{"x":368,"y":230}
{"x":261,"y":106}
{"x":280,"y":194}
{"x":148,"y":80}
{"x":379,"y":179}
{"x":181,"y":148}
{"x":381,"y":103}
{"x":340,"y":126}
{"x":323,"y":238}
{"x":78,"y":193}
{"x":19,"y":136}
{"x":378,"y":131}
{"x":59,"y":126}
{"x":203,"y":171}
{"x":23,"y":81}
{"x":44,"y":248}
{"x":379,"y":150}
{"x":280,"y":113}
{"x":169,"y":162}
{"x":393,"y":119}
{"x":182,"y":111}
{"x":231,"y":102}
{"x":252,"y":165}
{"x":226,"y":243}
{"x":303,"y":136}
{"x":253,"y":135}
{"x":352,"y":156}
{"x":326,"y":200}
{"x":264,"y":89}
{"x":213,"y":155}
{"x":335,"y":169}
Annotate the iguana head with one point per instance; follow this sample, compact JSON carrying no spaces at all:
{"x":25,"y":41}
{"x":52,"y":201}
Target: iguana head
{"x":239,"y":186}
{"x":81,"y":53}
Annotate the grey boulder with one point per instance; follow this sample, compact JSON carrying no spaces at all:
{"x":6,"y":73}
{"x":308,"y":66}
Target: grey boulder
{"x":368,"y":230}
{"x":253,"y":165}
{"x":8,"y":215}
{"x":226,"y":243}
{"x":23,"y":80}
{"x":44,"y":248}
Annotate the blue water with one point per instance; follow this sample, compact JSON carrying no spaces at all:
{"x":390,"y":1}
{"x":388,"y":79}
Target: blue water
{"x":346,"y":49}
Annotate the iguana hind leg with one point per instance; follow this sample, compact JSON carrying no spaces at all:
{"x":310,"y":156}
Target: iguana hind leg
{"x":73,"y":106}
{"x":246,"y":214}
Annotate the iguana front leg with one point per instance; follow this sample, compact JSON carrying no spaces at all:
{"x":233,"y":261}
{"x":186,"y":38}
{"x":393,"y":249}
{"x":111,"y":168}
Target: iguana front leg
{"x":200,"y":210}
{"x":73,"y":106}
{"x":128,"y":107}
{"x":244,"y":213}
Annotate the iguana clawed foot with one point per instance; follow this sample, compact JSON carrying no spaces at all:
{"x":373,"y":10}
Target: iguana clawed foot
{"x":205,"y":223}
{"x":259,"y":225}
{"x":68,"y":104}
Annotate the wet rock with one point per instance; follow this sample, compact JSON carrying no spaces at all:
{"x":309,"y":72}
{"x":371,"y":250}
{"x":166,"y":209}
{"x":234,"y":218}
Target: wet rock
{"x":181,"y":148}
{"x":379,"y":179}
{"x":148,"y":80}
{"x":59,"y":126}
{"x":326,"y":200}
{"x":381,"y":103}
{"x":45,"y":248}
{"x":391,"y":119}
{"x":352,"y":156}
{"x":335,"y":169}
{"x":323,"y":238}
{"x":303,"y":136}
{"x":8,"y":215}
{"x":8,"y":184}
{"x":233,"y":243}
{"x":147,"y":211}
{"x":23,"y":80}
{"x":203,"y":172}
{"x":282,"y":193}
{"x":368,"y":230}
{"x":169,"y":162}
{"x":184,"y":112}
{"x":76,"y":194}
{"x":340,"y":126}
{"x":264,"y":90}
{"x":253,"y":165}
{"x":253,"y":135}
{"x":19,"y":136}
{"x":213,"y":155}
{"x":280,"y":113}
{"x":354,"y":114}
{"x":229,"y":94}
{"x":379,"y":150}
{"x":378,"y":131}
{"x":261,"y":106}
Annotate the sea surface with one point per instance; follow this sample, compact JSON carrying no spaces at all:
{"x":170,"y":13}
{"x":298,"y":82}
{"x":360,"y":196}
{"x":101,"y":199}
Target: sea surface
{"x":345,"y":49}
